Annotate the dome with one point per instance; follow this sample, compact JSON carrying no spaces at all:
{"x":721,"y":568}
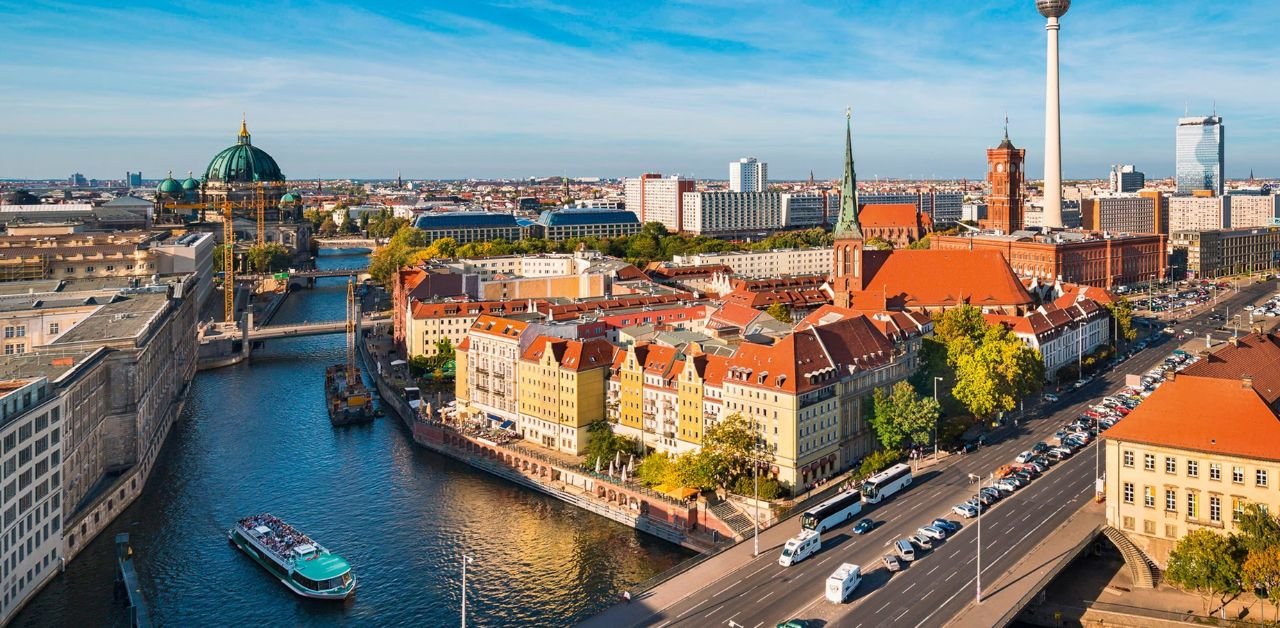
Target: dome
{"x":169,"y":188}
{"x":190,"y":183}
{"x":290,"y":199}
{"x":1053,"y":8}
{"x":243,"y":163}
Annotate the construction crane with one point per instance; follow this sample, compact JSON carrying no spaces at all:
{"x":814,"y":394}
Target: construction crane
{"x":262,"y":204}
{"x":228,"y":263}
{"x":353,"y":317}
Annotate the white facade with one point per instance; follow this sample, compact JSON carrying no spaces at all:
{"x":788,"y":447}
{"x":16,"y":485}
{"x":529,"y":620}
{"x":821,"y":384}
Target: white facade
{"x":775,"y":263}
{"x":1250,"y":210}
{"x":31,"y":429}
{"x":654,"y":198}
{"x":1126,"y":178}
{"x":748,"y":175}
{"x":1200,"y":213}
{"x":732,"y":213}
{"x":804,"y":210}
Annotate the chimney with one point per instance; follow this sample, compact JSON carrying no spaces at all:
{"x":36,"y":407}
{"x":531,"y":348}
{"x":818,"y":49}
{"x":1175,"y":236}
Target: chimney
{"x":1170,"y":374}
{"x":1246,"y":382}
{"x":1235,"y":342}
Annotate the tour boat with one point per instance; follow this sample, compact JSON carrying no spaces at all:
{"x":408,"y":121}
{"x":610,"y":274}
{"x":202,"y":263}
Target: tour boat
{"x":303,"y":565}
{"x":348,"y":401}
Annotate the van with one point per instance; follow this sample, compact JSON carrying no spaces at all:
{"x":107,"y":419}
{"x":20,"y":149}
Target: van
{"x":802,"y":546}
{"x":906,"y":551}
{"x":842,"y":582}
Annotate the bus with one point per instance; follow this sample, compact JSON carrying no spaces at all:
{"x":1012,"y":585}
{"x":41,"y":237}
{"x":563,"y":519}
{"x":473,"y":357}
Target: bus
{"x":833,"y":512}
{"x":886,"y":483}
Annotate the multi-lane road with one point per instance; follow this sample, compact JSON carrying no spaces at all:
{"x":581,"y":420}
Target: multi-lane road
{"x":941,"y":581}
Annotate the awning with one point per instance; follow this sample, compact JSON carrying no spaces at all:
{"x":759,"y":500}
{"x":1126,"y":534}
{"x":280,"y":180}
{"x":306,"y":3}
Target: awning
{"x":506,"y":425}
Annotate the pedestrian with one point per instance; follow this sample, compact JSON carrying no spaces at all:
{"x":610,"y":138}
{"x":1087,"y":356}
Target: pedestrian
{"x":626,"y":596}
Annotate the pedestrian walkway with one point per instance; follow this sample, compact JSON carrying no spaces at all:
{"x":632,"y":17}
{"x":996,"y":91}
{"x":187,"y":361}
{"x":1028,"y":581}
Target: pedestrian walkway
{"x":1009,"y":593}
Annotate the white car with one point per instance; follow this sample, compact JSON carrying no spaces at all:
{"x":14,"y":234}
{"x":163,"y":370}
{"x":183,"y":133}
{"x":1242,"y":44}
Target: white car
{"x":1024,"y":456}
{"x":965,"y":510}
{"x":933,"y":533}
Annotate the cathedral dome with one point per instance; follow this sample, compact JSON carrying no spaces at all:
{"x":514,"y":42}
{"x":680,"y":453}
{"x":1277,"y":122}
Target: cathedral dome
{"x":290,"y":199}
{"x":169,"y":188}
{"x":190,"y":183}
{"x":243,"y":163}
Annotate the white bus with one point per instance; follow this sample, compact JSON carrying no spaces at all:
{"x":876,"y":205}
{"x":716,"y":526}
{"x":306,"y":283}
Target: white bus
{"x":886,"y":483}
{"x":833,"y":512}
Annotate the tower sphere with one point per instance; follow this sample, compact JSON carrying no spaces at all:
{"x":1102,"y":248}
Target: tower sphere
{"x":1053,"y":8}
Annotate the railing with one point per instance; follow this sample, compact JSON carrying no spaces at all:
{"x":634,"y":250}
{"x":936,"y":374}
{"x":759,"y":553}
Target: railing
{"x":584,"y":470}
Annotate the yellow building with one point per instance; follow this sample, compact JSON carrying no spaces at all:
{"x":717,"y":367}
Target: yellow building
{"x":562,"y":390}
{"x":78,"y":255}
{"x":1191,"y":457}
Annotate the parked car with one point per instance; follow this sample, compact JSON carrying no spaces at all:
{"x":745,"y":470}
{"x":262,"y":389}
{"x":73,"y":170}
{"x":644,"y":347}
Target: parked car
{"x":891,"y":562}
{"x":920,"y":542}
{"x":933,"y":533}
{"x":864,"y":526}
{"x":1064,"y":451}
{"x":1023,"y":457}
{"x":1050,"y":397}
{"x":1006,"y":485}
{"x":946,"y":524}
{"x":1040,"y":447}
{"x":965,"y":510}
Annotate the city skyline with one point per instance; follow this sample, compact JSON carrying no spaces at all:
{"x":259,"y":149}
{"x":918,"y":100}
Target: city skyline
{"x":495,"y":90}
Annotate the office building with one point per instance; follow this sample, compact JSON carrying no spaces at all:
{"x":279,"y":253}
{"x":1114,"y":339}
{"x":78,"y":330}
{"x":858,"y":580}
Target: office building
{"x":575,"y":222}
{"x":1083,"y":257}
{"x":1005,"y":176}
{"x":472,"y":226}
{"x":1200,"y":155}
{"x":1126,"y":178}
{"x":943,"y":207}
{"x":775,"y":263}
{"x":1033,"y":214}
{"x":1219,"y":252}
{"x":654,"y":198}
{"x":748,"y":175}
{"x":732,"y":214}
{"x":77,"y":180}
{"x":1253,"y":210}
{"x":1200,"y":213}
{"x":1142,"y":212}
{"x":133,"y":179}
{"x":805,"y":210}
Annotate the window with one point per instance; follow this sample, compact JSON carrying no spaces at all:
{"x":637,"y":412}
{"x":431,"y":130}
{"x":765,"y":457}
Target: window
{"x":1260,"y":476}
{"x":1237,"y":475}
{"x":88,"y":269}
{"x":1170,"y":500}
{"x":1193,"y":469}
{"x":1237,"y":508}
{"x":1148,"y":527}
{"x":1215,"y":471}
{"x":1170,"y":465}
{"x":1193,"y":505}
{"x":1215,"y":509}
{"x":1127,"y":524}
{"x":1128,"y":458}
{"x":53,"y":329}
{"x":1149,"y":462}
{"x":1148,"y":497}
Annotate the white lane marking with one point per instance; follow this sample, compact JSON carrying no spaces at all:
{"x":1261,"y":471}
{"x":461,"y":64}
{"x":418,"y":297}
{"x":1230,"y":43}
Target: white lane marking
{"x":764,"y":567}
{"x":899,"y":615}
{"x":1027,"y":517}
{"x":826,"y":559}
{"x":663,"y":623}
{"x":930,"y":572}
{"x":970,"y":560}
{"x":883,"y":607}
{"x":766,"y":596}
{"x":953,"y":574}
{"x":944,"y":604}
{"x":713,"y":611}
{"x":730,"y":620}
{"x":721,"y":591}
{"x":758,"y":625}
{"x":912,"y":586}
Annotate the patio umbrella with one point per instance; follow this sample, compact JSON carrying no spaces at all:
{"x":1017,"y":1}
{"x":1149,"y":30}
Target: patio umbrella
{"x":618,"y":458}
{"x":611,"y":470}
{"x":632,"y":463}
{"x":624,"y":476}
{"x":597,"y":465}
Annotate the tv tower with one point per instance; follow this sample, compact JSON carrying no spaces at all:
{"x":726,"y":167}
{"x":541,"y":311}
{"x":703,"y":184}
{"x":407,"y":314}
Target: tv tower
{"x":1052,"y":10}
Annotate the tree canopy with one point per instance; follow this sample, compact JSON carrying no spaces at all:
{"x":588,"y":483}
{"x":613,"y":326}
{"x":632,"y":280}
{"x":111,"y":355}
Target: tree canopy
{"x":1122,"y":311}
{"x":603,"y":443}
{"x":1204,"y":561}
{"x":780,"y":312}
{"x":903,"y":416}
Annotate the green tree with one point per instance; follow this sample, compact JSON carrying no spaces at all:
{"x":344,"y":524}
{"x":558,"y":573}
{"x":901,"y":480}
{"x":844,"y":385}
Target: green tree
{"x":1205,"y":562}
{"x":656,"y":468}
{"x":965,"y":321}
{"x":780,"y":312}
{"x":1258,"y":529}
{"x":603,"y":443}
{"x":902,"y":415}
{"x":877,"y":243}
{"x":1122,"y":312}
{"x":922,"y":243}
{"x":730,"y":447}
{"x":770,"y":489}
{"x":328,"y":228}
{"x":269,"y":258}
{"x":878,"y":461}
{"x":994,"y":375}
{"x":1261,"y":570}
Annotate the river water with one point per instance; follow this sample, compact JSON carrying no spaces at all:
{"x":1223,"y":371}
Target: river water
{"x":255,"y":438}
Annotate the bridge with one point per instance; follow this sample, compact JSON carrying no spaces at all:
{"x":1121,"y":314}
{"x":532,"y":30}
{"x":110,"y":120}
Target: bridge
{"x":222,"y":332}
{"x":350,"y":243}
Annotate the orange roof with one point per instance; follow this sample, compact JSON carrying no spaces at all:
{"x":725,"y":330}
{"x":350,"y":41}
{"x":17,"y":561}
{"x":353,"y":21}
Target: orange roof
{"x":888,"y":215}
{"x":1256,"y":356}
{"x":575,"y":355}
{"x":498,"y":326}
{"x":811,"y":358}
{"x":446,"y":309}
{"x":1218,"y":416}
{"x":907,"y":278}
{"x":735,"y":314}
{"x":1072,"y":292}
{"x":464,"y":345}
{"x":760,"y":299}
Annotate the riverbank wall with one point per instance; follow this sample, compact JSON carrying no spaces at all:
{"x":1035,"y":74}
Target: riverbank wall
{"x":686,"y":523}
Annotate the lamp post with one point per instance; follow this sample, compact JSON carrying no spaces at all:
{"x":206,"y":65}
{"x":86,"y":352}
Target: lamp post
{"x":936,"y":419}
{"x":981,"y":507}
{"x":755,"y":478}
{"x":465,"y":561}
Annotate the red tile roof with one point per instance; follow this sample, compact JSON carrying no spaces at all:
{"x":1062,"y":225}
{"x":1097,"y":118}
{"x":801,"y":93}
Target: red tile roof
{"x":569,"y":311}
{"x":1204,"y":414}
{"x":912,"y":279}
{"x":1256,"y":356}
{"x":888,"y":215}
{"x":574,"y":355}
{"x":447,"y":309}
{"x":776,"y":283}
{"x":498,"y":326}
{"x":811,"y":358}
{"x":735,"y":314}
{"x":761,"y":299}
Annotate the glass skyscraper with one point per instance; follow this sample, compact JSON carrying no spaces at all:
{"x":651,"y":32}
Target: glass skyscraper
{"x":1200,"y":155}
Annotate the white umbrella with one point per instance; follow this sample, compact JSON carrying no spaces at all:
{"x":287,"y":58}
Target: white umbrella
{"x":618,"y":458}
{"x":632,"y":463}
{"x":624,"y":476}
{"x":611,"y":471}
{"x":597,"y":465}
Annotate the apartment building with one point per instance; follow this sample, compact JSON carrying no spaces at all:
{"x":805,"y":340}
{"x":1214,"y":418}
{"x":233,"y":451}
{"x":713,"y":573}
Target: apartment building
{"x":731,"y":213}
{"x":654,"y":198}
{"x":1200,"y":213}
{"x":1063,"y":332}
{"x":748,"y":175}
{"x":471,"y":226}
{"x":940,"y":206}
{"x":773,"y":263}
{"x":493,"y":348}
{"x":562,"y":390}
{"x":1220,"y":252}
{"x":1253,"y":210}
{"x":806,"y":210}
{"x":1140,"y":212}
{"x":429,"y":323}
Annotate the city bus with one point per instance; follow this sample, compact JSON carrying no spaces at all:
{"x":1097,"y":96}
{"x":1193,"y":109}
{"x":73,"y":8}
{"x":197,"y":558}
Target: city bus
{"x":886,"y":483}
{"x":833,"y":512}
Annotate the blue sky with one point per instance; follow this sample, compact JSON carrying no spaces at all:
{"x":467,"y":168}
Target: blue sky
{"x":444,"y":89}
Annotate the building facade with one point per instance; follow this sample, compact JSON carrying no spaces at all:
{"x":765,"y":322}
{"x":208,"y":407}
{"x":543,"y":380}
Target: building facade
{"x":804,"y":210}
{"x":562,"y":390}
{"x":775,"y":263}
{"x":731,"y":213}
{"x":941,"y":206}
{"x":1197,"y":213}
{"x":569,"y":222}
{"x":1074,"y":257}
{"x":1140,"y":212}
{"x":1253,"y":210}
{"x":1200,"y":155}
{"x":1005,"y":176}
{"x":1125,"y":178}
{"x":654,"y":198}
{"x":748,"y":175}
{"x":1222,"y":252}
{"x":470,"y":226}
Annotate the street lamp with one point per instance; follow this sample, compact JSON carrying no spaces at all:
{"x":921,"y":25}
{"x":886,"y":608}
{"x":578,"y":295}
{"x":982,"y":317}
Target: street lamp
{"x":981,"y":507}
{"x":465,"y":561}
{"x":936,"y":419}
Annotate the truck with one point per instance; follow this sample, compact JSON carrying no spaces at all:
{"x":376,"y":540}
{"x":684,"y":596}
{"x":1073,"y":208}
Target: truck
{"x":800,"y":547}
{"x":842,"y":582}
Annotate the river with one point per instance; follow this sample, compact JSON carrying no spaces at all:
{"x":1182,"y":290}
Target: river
{"x":255,"y":438}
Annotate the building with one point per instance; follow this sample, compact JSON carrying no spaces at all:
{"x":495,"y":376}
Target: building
{"x":77,"y":180}
{"x":732,"y":213}
{"x":1191,"y":457}
{"x":941,"y":206}
{"x":65,"y":253}
{"x":470,"y":226}
{"x":572,"y":222}
{"x":191,"y":254}
{"x":1052,"y":10}
{"x":242,"y":174}
{"x":1253,"y":210}
{"x":1084,"y":257}
{"x":748,"y":175}
{"x":654,"y":198}
{"x":1220,"y":252}
{"x":1125,"y":178}
{"x":75,"y":216}
{"x":899,"y":225}
{"x":1141,"y":212}
{"x":804,"y":210}
{"x":1005,"y":176}
{"x":1200,"y":155}
{"x":491,"y":352}
{"x":774,"y":263}
{"x":133,"y":179}
{"x":429,"y":323}
{"x":1198,"y":213}
{"x":1034,"y":217}
{"x":1063,"y":332}
{"x":562,"y":390}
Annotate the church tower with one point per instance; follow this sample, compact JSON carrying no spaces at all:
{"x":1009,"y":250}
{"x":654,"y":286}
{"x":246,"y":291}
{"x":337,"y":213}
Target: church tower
{"x":846,"y":272}
{"x":1004,"y":174}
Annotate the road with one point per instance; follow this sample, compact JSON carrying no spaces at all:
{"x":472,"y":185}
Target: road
{"x":940,"y":582}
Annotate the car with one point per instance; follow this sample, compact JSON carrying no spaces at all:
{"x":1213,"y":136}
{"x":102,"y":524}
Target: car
{"x":965,"y":510}
{"x":1050,"y":397}
{"x":968,"y":447}
{"x":1053,"y":456}
{"x":986,"y":499}
{"x":1038,"y":464}
{"x":946,"y":524}
{"x":991,"y":491}
{"x":1188,"y":332}
{"x":1064,"y":451}
{"x":891,"y":562}
{"x":864,"y":526}
{"x":1040,"y":447}
{"x":1023,"y":477}
{"x":920,"y":542}
{"x":796,"y":623}
{"x":933,"y":533}
{"x":1006,"y":485}
{"x":1023,"y":457}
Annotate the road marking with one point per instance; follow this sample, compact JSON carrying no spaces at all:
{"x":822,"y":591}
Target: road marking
{"x":713,"y":611}
{"x":930,"y":572}
{"x":1027,"y":517}
{"x":899,"y":615}
{"x":826,"y":559}
{"x":663,"y":623}
{"x":970,"y":560}
{"x":766,"y":596}
{"x":762,"y":568}
{"x":758,"y":625}
{"x":721,"y":591}
{"x":883,"y":607}
{"x":944,"y":604}
{"x":912,"y":586}
{"x":953,"y":574}
{"x":690,"y":609}
{"x":730,"y":620}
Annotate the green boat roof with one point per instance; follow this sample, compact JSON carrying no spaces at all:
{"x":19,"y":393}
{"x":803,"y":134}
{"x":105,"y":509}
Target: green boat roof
{"x":322,"y":567}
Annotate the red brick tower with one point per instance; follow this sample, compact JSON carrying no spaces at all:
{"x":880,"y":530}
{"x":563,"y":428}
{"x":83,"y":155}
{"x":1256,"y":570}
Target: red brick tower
{"x":1004,"y":173}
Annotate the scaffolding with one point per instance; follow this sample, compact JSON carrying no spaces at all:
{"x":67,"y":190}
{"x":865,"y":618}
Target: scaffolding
{"x":228,"y":263}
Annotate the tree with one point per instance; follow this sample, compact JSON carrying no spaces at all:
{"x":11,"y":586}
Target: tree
{"x":877,"y":243}
{"x":902,"y":415}
{"x":328,"y":227}
{"x":603,"y":444}
{"x":1261,"y":570}
{"x":1258,"y":529}
{"x":269,"y":258}
{"x":1206,"y":563}
{"x":730,"y":445}
{"x":879,"y":461}
{"x":1122,"y":312}
{"x":995,"y":374}
{"x":965,"y":321}
{"x":922,"y":243}
{"x":656,"y":468}
{"x":780,"y":311}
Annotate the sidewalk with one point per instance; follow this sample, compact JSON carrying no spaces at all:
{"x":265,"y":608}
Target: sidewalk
{"x":1011,"y":591}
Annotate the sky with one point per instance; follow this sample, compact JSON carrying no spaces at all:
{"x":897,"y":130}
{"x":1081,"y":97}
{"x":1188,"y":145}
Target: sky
{"x":472,"y":88}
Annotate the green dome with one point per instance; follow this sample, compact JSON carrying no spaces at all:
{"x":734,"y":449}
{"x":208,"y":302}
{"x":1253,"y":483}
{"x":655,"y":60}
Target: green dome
{"x":243,"y":163}
{"x":190,"y":183}
{"x":169,"y":187}
{"x":290,"y":198}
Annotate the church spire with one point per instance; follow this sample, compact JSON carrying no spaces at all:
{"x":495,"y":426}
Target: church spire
{"x":847,"y":225}
{"x":243,"y":136}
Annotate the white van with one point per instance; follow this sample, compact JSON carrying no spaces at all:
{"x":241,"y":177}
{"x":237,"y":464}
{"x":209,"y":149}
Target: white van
{"x":804,"y":545}
{"x":842,"y":582}
{"x":906,"y":551}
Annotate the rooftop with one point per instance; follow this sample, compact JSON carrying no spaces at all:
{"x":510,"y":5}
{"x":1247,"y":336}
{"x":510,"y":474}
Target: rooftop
{"x":126,"y":318}
{"x":571,"y":216}
{"x":906,"y":279}
{"x":1256,"y":356}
